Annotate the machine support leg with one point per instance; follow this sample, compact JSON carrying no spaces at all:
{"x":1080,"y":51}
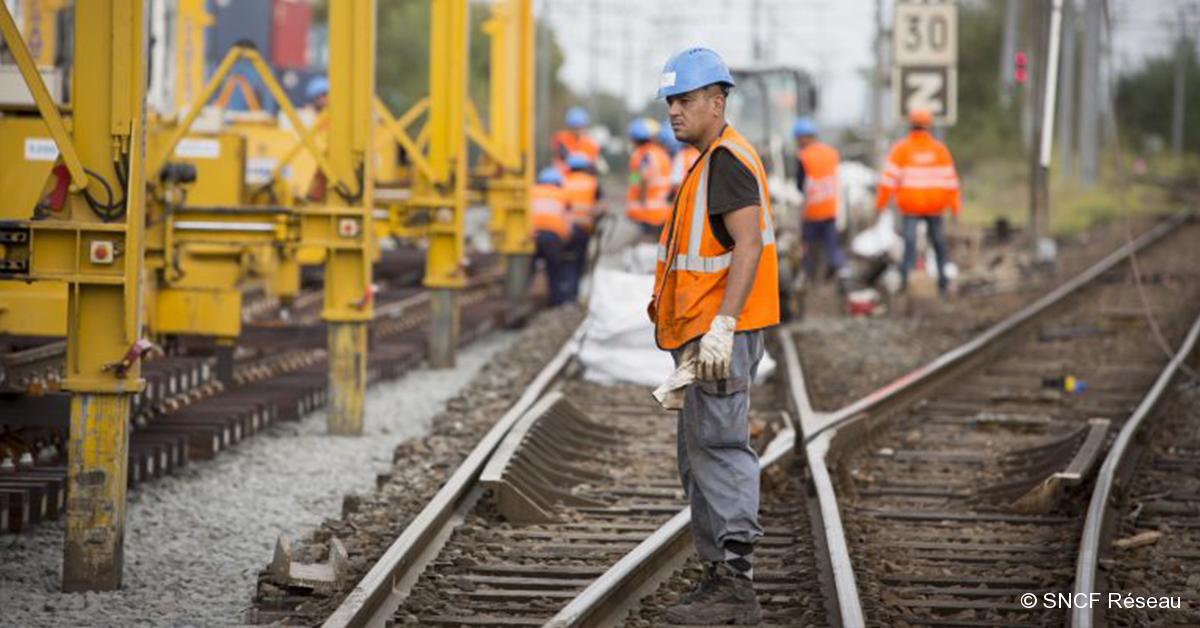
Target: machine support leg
{"x":96,"y":475}
{"x":347,"y":377}
{"x":516,"y":279}
{"x":224,"y":354}
{"x":443,"y":337}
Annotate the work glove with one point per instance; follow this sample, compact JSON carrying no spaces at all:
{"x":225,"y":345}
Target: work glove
{"x":716,"y":349}
{"x":671,"y":394}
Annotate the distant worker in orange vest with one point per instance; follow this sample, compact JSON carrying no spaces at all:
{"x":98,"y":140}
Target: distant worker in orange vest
{"x":649,"y":180}
{"x":682,"y":158}
{"x":816,"y":175}
{"x":920,"y":172}
{"x":573,"y":139}
{"x":716,"y":288}
{"x":583,"y":197}
{"x":552,"y":230}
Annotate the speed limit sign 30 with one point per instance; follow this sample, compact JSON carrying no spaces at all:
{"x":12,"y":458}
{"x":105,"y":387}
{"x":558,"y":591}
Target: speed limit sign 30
{"x":925,"y":58}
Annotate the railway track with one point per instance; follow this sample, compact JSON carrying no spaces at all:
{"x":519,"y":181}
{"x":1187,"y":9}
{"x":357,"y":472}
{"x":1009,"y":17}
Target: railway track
{"x":935,"y":500}
{"x":187,"y":413}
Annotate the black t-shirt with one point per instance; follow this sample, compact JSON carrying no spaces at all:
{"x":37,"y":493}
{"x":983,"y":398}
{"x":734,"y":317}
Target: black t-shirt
{"x":731,"y":186}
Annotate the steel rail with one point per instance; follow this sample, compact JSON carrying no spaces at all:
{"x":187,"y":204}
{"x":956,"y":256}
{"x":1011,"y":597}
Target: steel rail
{"x":1101,"y":509}
{"x":384,"y":587}
{"x":822,"y":435}
{"x":619,"y":588}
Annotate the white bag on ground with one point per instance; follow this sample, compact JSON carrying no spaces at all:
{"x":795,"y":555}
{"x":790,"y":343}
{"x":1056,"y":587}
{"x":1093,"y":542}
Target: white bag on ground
{"x":618,"y":340}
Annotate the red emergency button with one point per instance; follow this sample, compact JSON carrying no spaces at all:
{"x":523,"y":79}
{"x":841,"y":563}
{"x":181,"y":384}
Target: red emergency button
{"x":102,"y":252}
{"x":348,"y":227}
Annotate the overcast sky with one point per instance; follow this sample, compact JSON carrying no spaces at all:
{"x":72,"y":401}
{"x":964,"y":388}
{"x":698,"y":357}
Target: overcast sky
{"x":620,"y":45}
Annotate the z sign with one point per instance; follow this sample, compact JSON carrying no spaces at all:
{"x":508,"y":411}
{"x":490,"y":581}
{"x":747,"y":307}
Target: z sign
{"x":925,"y":53}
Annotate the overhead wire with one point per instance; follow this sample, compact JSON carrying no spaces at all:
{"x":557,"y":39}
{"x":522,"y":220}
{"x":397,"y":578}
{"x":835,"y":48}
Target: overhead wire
{"x":1121,"y":176}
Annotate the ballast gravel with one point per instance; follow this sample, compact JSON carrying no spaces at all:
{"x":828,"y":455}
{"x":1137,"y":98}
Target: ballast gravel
{"x":195,"y":541}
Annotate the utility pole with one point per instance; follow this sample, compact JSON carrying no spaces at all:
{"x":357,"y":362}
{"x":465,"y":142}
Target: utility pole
{"x":756,"y":25}
{"x":1089,"y":104}
{"x":1008,"y":51}
{"x":877,"y":91}
{"x":1066,"y":89}
{"x":1041,"y":90}
{"x":594,"y":48}
{"x":1182,"y":54}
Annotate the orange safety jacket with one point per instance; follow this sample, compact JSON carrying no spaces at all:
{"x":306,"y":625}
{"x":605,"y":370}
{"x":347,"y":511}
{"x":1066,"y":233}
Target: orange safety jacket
{"x":565,"y":142}
{"x":580,"y":189}
{"x":820,"y":181}
{"x":649,"y":164}
{"x":921,"y":173}
{"x":689,"y":280}
{"x":548,"y":206}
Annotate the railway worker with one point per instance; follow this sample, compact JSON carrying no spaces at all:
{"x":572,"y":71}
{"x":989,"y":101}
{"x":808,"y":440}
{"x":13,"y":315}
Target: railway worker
{"x":816,"y":175}
{"x":316,"y":93}
{"x":649,"y":180}
{"x":920,"y":172}
{"x":582,"y":190}
{"x":552,"y":230}
{"x":715,"y":291}
{"x":573,"y":139}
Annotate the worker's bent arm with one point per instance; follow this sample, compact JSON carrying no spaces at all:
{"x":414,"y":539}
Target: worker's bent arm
{"x":744,"y":227}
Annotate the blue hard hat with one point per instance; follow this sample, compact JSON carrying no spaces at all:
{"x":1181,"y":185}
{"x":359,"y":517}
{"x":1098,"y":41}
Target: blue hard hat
{"x":691,"y":69}
{"x":577,"y":118}
{"x":578,"y":161}
{"x":639,"y":130}
{"x":317,"y":86}
{"x":804,"y":126}
{"x":549,"y":176}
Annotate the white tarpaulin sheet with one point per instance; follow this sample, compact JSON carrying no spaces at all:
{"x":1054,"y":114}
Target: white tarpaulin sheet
{"x":618,"y":339}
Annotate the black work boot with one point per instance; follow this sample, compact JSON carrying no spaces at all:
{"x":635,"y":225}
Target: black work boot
{"x":728,"y":599}
{"x":702,"y":585}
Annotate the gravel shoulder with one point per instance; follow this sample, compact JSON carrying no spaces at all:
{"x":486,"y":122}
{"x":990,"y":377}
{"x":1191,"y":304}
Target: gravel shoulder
{"x":372,"y":519}
{"x":845,"y":358}
{"x":195,"y":541}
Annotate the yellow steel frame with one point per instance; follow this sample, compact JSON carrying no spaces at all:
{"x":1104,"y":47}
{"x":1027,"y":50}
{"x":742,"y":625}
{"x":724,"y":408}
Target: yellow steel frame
{"x":103,"y":302}
{"x":443,"y":189}
{"x":343,"y":227}
{"x":511,"y":28}
{"x":251,"y":55}
{"x":191,"y":21}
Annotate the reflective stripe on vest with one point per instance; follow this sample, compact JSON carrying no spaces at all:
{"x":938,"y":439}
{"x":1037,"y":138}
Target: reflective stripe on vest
{"x":690,"y":259}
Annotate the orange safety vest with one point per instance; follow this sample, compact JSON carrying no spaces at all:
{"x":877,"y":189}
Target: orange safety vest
{"x":653,"y":166}
{"x":921,"y":173}
{"x":565,"y":142}
{"x":689,"y":280}
{"x":548,"y":206}
{"x":580,"y":189}
{"x":820,"y":181}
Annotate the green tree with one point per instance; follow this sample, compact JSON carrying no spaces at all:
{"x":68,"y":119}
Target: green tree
{"x":1145,"y":98}
{"x":985,"y":126}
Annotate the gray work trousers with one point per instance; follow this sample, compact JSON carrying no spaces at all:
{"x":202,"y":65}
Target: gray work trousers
{"x":717,"y":466}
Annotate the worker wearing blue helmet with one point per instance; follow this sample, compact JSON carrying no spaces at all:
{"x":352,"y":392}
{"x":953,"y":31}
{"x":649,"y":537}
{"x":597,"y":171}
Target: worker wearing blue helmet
{"x":551,"y":218}
{"x":316,"y":92}
{"x":716,"y":291}
{"x":573,"y":139}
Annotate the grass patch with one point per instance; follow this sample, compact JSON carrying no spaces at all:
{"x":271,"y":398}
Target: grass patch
{"x":999,"y":188}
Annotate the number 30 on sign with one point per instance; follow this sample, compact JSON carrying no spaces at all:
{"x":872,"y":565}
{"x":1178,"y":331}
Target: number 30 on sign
{"x":925,"y":54}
